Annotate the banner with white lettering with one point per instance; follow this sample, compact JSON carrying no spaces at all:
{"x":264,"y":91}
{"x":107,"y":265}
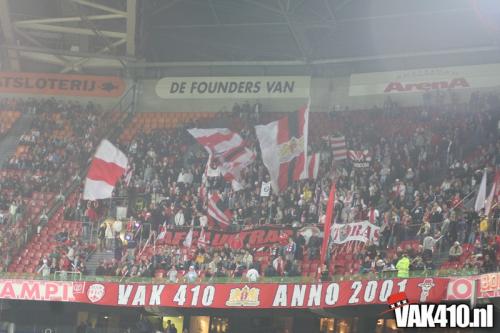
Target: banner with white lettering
{"x":228,"y":296}
{"x":355,"y":232}
{"x":425,"y":79}
{"x":245,"y":87}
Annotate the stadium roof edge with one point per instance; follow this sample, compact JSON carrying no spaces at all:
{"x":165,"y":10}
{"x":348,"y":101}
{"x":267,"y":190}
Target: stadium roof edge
{"x":314,"y":62}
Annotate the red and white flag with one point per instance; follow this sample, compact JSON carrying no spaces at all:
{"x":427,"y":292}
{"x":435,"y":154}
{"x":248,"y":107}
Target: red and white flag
{"x":226,"y":149}
{"x":311,"y":172}
{"x":202,"y":239}
{"x":108,"y":165}
{"x":163,"y":231}
{"x":339,"y":149}
{"x":360,"y":158}
{"x":218,"y":210}
{"x":283,"y":144}
{"x":128,"y":176}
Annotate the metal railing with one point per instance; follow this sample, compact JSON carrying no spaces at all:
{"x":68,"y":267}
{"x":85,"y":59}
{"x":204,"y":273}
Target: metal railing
{"x":67,"y":276}
{"x":77,"y":276}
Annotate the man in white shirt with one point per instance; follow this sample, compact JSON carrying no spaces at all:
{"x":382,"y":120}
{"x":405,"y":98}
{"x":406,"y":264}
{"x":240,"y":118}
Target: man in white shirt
{"x":203,"y":220}
{"x":172,"y":275}
{"x":185,"y":177}
{"x":191,"y":275}
{"x":13,"y":211}
{"x":252,"y":275}
{"x":179,"y":218}
{"x":399,"y":189}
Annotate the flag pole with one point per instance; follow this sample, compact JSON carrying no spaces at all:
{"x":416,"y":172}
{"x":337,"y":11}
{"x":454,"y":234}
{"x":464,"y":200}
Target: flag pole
{"x":328,"y":224}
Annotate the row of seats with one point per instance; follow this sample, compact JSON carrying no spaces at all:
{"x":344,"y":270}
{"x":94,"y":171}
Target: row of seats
{"x":7,"y":119}
{"x":148,"y":121}
{"x":44,"y":243}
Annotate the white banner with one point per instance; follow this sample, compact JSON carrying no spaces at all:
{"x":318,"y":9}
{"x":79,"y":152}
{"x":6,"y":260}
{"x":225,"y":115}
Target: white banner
{"x":245,"y":87}
{"x":357,"y":231}
{"x":265,"y":189}
{"x":421,"y":80}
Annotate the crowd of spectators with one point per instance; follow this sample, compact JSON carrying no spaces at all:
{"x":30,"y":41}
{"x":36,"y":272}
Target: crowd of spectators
{"x":50,"y":155}
{"x":426,"y":166}
{"x":68,"y":256}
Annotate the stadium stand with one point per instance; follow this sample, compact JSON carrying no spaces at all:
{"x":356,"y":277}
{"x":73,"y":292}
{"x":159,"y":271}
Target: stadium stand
{"x":427,"y":163}
{"x":47,"y":161}
{"x":7,"y":119}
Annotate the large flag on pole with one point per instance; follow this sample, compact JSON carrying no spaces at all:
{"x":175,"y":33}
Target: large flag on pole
{"x":283,"y":144}
{"x":328,"y":224}
{"x":108,"y":165}
{"x":481,"y":194}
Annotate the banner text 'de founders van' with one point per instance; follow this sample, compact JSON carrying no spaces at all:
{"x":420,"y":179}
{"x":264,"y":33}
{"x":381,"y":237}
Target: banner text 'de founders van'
{"x":249,"y":87}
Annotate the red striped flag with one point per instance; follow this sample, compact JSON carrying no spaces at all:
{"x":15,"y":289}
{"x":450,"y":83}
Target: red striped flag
{"x":163,"y":232}
{"x":226,"y":148}
{"x":202,"y":239}
{"x":108,"y":165}
{"x":339,"y":148}
{"x":311,"y":172}
{"x":283,"y":144}
{"x":218,"y":210}
{"x":360,"y":158}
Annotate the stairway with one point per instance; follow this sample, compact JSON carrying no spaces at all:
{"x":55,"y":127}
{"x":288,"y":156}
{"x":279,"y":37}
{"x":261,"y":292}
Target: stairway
{"x":9,"y":143}
{"x":96,"y":257}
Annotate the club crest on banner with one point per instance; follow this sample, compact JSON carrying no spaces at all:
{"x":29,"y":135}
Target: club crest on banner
{"x":425,"y":287}
{"x":291,"y":149}
{"x":244,"y":297}
{"x":96,"y":292}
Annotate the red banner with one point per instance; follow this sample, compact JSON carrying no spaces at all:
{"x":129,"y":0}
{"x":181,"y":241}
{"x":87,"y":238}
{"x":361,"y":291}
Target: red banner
{"x":227,"y":296}
{"x":489,"y":285}
{"x":258,"y":237}
{"x":471,"y":287}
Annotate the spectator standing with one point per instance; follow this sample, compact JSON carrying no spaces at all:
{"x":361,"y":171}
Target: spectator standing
{"x":109,"y":236}
{"x":191,"y":275}
{"x":403,"y":266}
{"x":428,"y":245}
{"x":44,"y":268}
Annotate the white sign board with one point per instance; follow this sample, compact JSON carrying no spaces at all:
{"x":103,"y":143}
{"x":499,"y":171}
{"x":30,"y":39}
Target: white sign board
{"x":426,"y":79}
{"x":265,"y":189}
{"x":245,"y":87}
